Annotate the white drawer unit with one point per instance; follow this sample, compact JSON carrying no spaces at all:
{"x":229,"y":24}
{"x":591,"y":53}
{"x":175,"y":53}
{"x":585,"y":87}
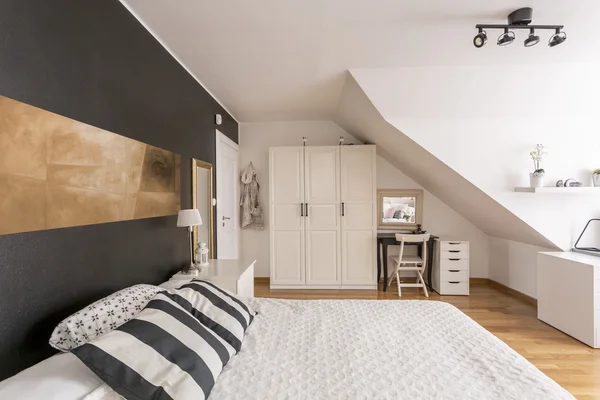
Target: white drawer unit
{"x":568,"y":295}
{"x":450,"y":275}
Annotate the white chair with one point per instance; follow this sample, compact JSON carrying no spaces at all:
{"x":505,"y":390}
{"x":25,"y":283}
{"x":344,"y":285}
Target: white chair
{"x":404,"y":262}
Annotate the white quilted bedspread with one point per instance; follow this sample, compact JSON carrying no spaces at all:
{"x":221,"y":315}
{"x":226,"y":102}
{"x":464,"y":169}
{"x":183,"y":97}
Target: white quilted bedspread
{"x":356,"y":349}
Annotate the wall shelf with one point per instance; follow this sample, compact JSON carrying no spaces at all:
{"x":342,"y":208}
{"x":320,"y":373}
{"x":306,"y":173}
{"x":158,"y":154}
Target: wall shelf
{"x":554,"y":189}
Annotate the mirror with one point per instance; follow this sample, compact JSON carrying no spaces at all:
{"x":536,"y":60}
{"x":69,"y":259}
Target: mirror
{"x":202,"y":194}
{"x":400,"y":209}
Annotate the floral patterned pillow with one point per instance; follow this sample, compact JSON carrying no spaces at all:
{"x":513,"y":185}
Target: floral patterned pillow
{"x":101,"y":317}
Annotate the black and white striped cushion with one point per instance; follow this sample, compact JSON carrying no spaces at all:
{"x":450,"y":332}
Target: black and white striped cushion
{"x":219,"y":310}
{"x":163,"y":353}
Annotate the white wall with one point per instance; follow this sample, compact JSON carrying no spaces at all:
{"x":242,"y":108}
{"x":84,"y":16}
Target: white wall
{"x":514,"y":264}
{"x":438,"y":218}
{"x":255,"y":140}
{"x":482,"y":122}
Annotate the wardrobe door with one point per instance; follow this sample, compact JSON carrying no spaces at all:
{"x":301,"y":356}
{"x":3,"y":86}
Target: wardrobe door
{"x":286,"y":195}
{"x":359,"y":223}
{"x":322,"y":226}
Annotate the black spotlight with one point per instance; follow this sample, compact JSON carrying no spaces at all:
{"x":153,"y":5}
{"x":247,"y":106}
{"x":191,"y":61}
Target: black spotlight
{"x":480,"y":39}
{"x":506,"y":38}
{"x":557,"y":38}
{"x":532,"y":39}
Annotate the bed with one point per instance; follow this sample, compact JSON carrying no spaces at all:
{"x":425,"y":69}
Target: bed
{"x":339,"y":349}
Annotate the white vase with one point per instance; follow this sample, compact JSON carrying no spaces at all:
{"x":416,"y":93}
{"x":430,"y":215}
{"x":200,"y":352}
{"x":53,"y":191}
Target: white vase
{"x":536,"y":180}
{"x":596,"y":180}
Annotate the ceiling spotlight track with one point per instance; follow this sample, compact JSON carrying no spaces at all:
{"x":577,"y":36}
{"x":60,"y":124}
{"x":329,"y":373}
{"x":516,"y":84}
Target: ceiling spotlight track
{"x":506,"y":38}
{"x":480,"y":39}
{"x":532,"y":39}
{"x":557,"y":38}
{"x":519,"y":19}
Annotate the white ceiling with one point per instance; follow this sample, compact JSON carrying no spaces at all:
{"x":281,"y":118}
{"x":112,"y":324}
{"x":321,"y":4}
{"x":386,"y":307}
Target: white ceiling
{"x":285,"y":59}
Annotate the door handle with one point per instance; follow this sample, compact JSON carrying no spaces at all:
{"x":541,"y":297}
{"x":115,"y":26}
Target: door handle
{"x":343,"y":209}
{"x":224,"y":218}
{"x":302,"y":209}
{"x":306,"y":211}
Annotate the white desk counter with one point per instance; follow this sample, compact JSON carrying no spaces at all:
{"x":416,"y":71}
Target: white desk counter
{"x":569,"y":294}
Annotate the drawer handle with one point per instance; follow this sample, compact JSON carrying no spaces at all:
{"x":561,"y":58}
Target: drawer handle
{"x":454,"y":270}
{"x":454,"y":243}
{"x":454,"y":283}
{"x":454,"y":251}
{"x":454,"y":259}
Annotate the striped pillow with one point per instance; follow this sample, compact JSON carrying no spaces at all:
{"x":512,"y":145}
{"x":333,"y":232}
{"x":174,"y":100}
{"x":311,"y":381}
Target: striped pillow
{"x":217,"y":309}
{"x":163,"y":353}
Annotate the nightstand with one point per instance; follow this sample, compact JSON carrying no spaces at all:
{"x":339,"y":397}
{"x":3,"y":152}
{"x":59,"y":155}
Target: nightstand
{"x":237,"y":276}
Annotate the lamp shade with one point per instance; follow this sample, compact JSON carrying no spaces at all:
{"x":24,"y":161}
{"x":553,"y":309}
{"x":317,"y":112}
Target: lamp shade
{"x":188,"y":218}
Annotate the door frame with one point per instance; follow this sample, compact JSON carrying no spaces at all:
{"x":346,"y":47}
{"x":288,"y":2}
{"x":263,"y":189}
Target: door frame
{"x":220,"y":141}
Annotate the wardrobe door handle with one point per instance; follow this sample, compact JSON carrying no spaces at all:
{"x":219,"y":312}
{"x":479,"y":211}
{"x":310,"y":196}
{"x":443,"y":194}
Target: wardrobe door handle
{"x":302,"y":209}
{"x":343,"y":209}
{"x":306,"y":212}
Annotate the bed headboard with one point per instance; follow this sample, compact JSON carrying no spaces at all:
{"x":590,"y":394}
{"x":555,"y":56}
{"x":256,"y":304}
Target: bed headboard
{"x":36,"y":293}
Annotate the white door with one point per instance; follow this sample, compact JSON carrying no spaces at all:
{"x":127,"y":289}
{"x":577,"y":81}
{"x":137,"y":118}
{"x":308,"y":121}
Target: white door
{"x":322,"y":215}
{"x":227,"y":198}
{"x":359,"y":224}
{"x":286,"y":218}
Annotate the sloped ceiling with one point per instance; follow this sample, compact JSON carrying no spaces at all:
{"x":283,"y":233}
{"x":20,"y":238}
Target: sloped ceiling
{"x":357,"y":114}
{"x":274,"y":60}
{"x":287,"y":60}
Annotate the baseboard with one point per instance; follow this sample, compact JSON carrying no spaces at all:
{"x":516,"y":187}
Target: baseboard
{"x":472,"y":281}
{"x":479,"y":281}
{"x":505,"y":289}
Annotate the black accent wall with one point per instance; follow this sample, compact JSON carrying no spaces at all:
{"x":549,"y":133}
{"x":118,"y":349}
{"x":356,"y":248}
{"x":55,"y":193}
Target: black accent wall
{"x":92,"y":61}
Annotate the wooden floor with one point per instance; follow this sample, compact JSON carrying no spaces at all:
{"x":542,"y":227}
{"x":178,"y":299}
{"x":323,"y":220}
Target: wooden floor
{"x":572,"y":364}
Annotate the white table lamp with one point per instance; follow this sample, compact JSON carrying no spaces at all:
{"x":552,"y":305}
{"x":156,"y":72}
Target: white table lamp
{"x":187,"y":219}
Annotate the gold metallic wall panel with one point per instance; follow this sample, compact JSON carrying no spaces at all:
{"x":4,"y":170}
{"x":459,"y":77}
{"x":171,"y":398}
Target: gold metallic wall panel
{"x":57,"y":173}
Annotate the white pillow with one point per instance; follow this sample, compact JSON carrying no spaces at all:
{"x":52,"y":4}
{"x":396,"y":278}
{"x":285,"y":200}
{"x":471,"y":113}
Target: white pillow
{"x":217,"y":309}
{"x":389,"y":213}
{"x":101,"y":317}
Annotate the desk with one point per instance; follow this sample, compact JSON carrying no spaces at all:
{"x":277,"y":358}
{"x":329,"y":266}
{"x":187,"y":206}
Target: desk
{"x":385,"y":239}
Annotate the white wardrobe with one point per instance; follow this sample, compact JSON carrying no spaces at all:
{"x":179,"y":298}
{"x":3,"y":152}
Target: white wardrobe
{"x":322,"y":217}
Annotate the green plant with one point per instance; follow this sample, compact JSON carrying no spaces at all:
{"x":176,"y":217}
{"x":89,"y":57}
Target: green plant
{"x":596,"y":171}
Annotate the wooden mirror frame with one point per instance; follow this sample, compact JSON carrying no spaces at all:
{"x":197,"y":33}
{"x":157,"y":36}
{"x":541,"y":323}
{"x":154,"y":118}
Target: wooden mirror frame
{"x":195,"y":165}
{"x":416,"y":193}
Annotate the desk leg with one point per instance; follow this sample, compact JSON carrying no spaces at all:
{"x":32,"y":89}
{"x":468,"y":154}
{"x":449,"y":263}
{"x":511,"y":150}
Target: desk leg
{"x":430,"y":253}
{"x":378,"y":262}
{"x":385,"y":269}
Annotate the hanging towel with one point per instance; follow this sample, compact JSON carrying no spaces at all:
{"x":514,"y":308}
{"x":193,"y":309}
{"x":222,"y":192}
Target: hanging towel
{"x":252,"y":215}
